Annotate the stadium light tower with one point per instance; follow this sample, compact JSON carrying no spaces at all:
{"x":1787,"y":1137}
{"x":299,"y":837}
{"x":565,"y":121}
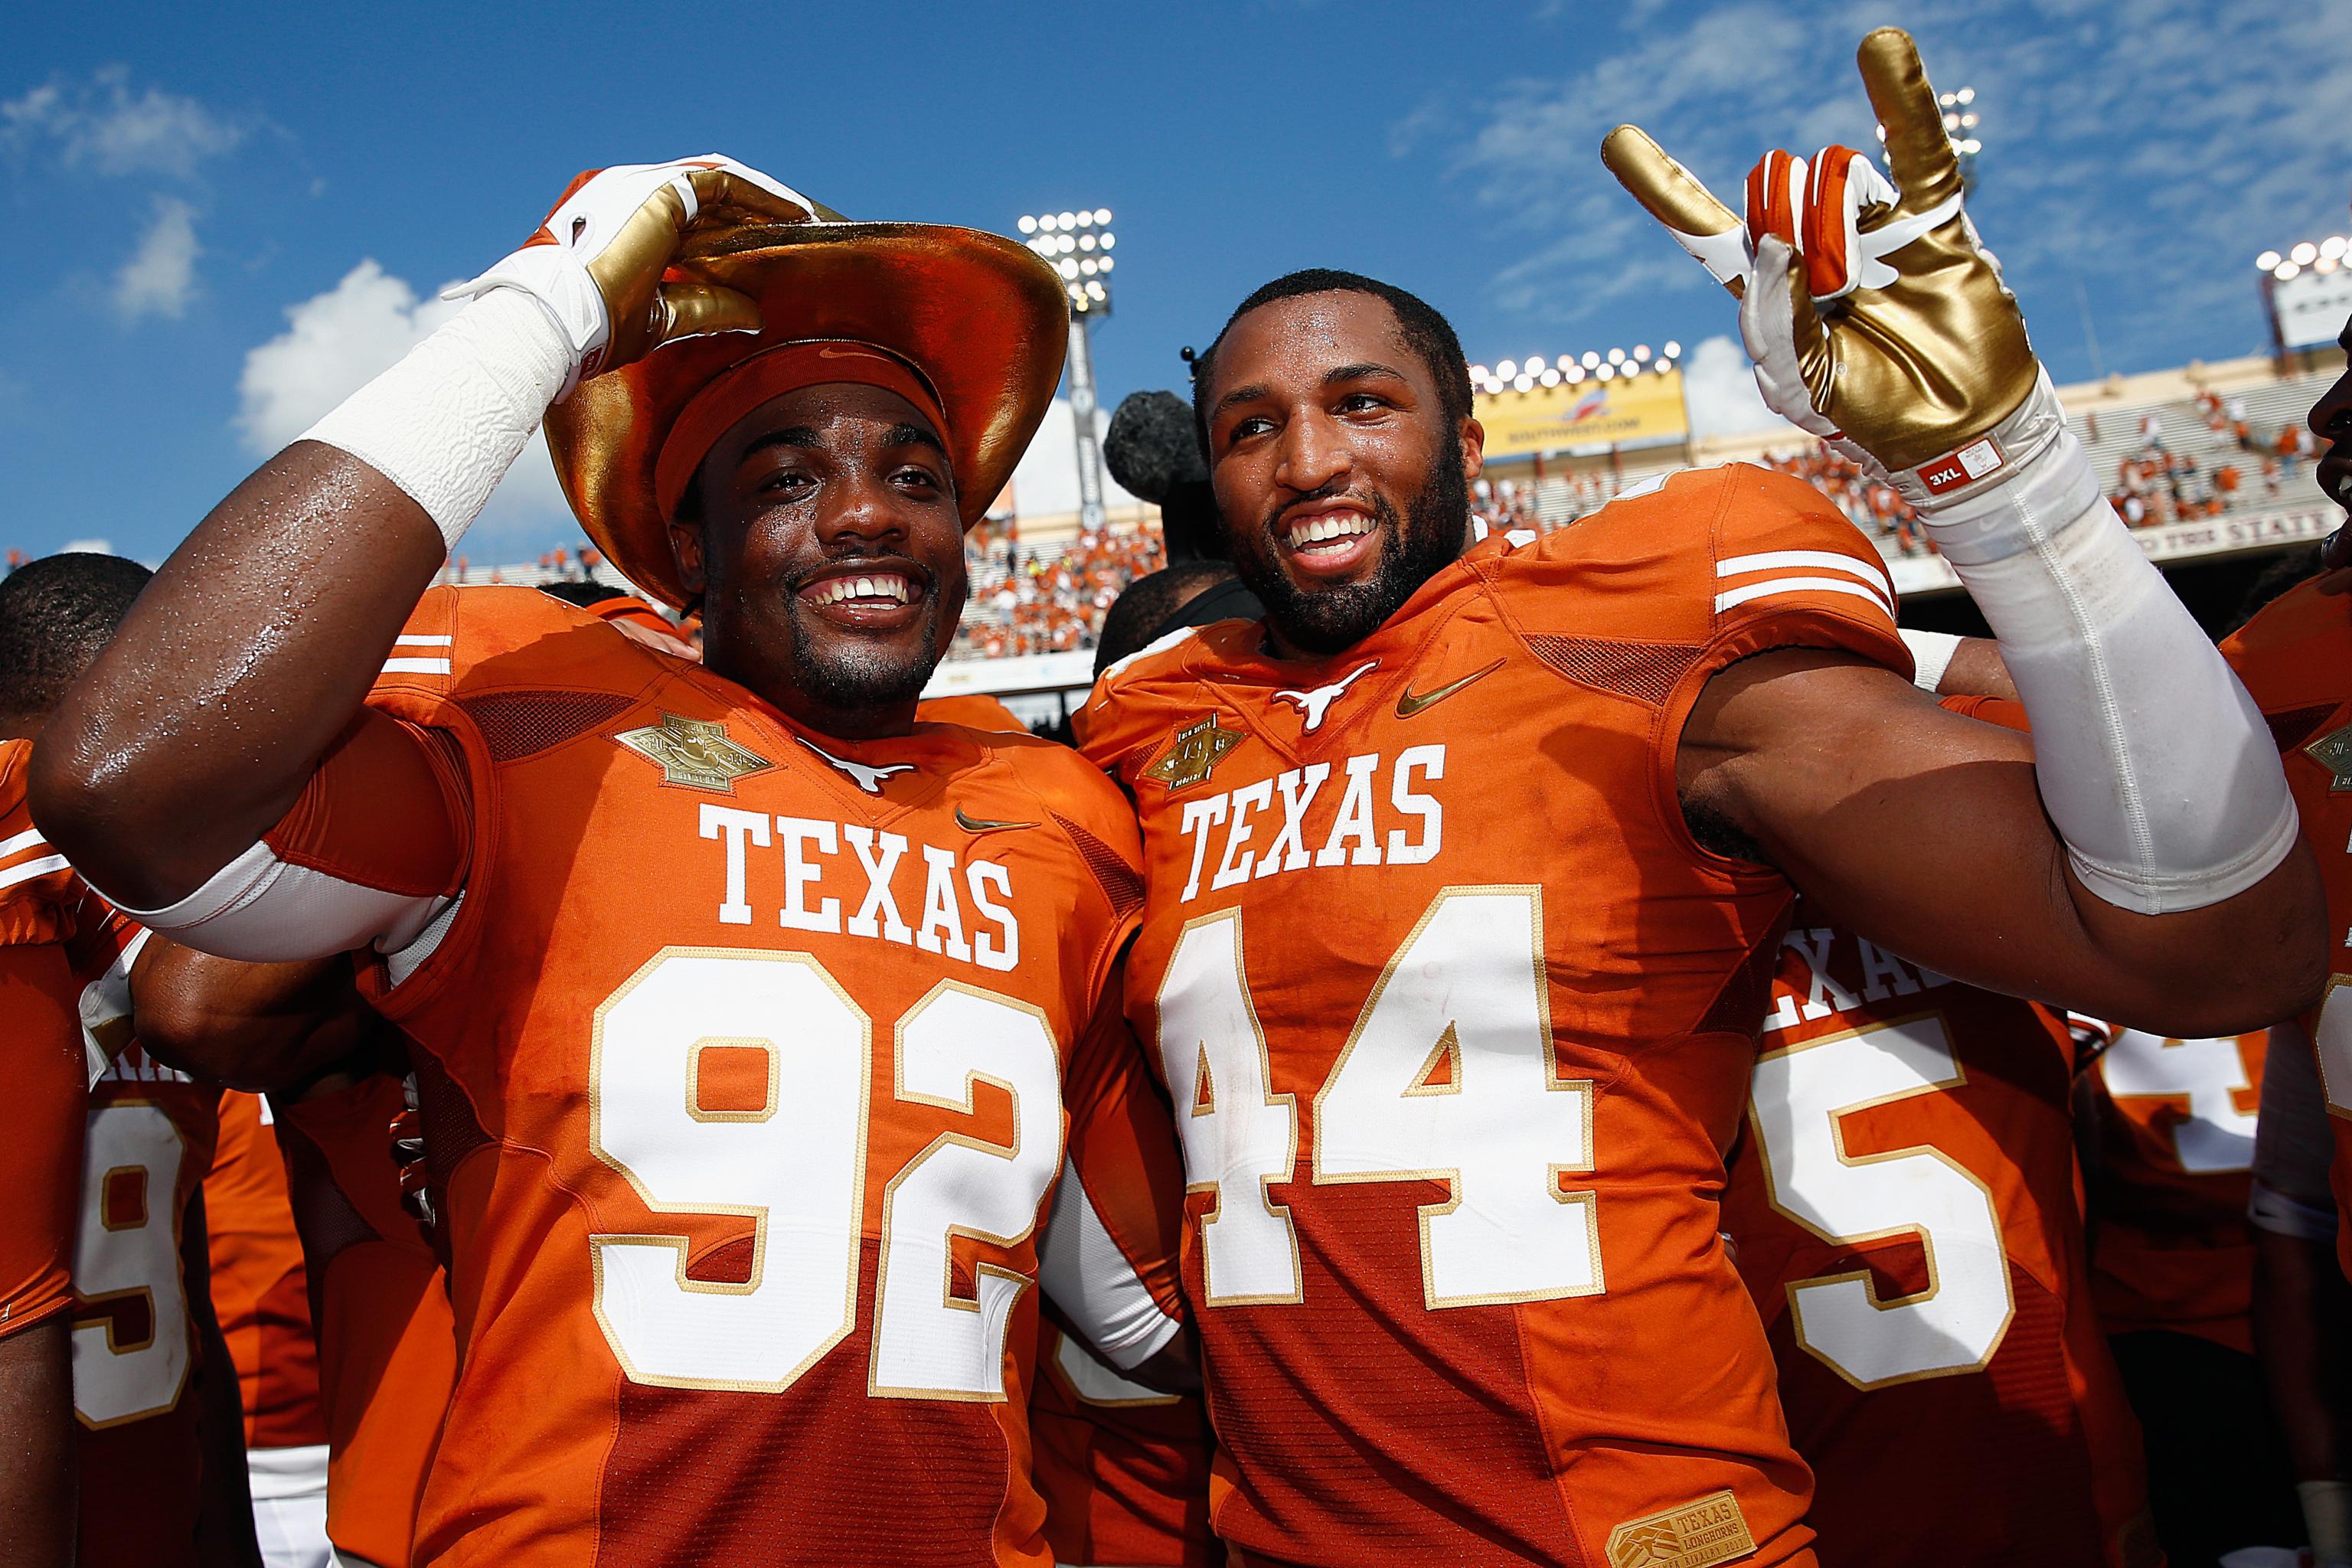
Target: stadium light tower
{"x":1962,"y":124}
{"x":1078,"y":246}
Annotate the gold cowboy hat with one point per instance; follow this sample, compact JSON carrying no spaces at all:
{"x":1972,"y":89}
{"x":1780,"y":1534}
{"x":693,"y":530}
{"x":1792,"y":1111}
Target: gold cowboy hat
{"x":971,"y":327}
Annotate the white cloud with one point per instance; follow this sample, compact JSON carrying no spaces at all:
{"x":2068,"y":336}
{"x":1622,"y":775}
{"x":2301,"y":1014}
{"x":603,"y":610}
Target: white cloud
{"x":101,"y":126}
{"x":87,"y":547}
{"x":1045,"y":482}
{"x":161,"y":276}
{"x":1720,"y":390}
{"x":336,"y":343}
{"x":2148,"y":148}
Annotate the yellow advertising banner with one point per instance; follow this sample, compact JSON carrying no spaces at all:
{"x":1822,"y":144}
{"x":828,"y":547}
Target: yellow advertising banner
{"x":1630,"y":411}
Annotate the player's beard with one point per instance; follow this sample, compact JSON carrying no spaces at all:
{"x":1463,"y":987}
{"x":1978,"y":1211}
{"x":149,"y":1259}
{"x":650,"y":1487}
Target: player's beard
{"x":1330,"y":620}
{"x":844,"y":672}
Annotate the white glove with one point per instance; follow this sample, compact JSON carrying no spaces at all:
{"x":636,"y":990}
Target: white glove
{"x":595,"y":265}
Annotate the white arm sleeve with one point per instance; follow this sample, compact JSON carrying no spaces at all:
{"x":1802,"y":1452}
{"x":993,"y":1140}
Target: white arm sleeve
{"x":2152,"y":761}
{"x":259,"y":909}
{"x":448,"y":420}
{"x":1093,"y":1284}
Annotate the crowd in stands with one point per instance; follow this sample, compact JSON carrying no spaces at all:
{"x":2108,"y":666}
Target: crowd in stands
{"x":1028,"y":600}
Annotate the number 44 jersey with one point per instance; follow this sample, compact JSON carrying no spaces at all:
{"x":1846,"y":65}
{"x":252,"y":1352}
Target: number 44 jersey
{"x":1457,"y":1022}
{"x":749,"y":1061}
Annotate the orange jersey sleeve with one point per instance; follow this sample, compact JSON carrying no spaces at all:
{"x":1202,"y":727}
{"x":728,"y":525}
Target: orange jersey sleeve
{"x":40,"y":1132}
{"x":1904,"y":1211}
{"x":974,"y":710}
{"x":1124,"y":1469}
{"x":2295,"y":658}
{"x":1456,"y":1021}
{"x":387,"y":1337}
{"x":41,"y":1127}
{"x":261,"y":1293}
{"x":373,"y":849}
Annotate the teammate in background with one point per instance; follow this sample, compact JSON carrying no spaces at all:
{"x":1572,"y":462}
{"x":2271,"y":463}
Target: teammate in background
{"x":626,"y":612}
{"x":154,"y":1390}
{"x":1455,"y":1095}
{"x":2167,"y":1127}
{"x":262,"y":1300}
{"x":756,"y":1018}
{"x":1904,"y":1209}
{"x":386,"y":1343}
{"x":2295,"y":657}
{"x":55,"y":614}
{"x":1124,"y":1469}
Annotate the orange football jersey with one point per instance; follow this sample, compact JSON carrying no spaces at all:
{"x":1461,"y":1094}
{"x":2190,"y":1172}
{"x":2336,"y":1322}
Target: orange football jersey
{"x":2295,"y":658}
{"x":747,"y":1060}
{"x":41,"y":1125}
{"x":1906,"y":1211}
{"x":2171,"y":1150}
{"x":974,"y":710}
{"x":148,"y":1140}
{"x":1457,"y":1021}
{"x":1124,"y":1469}
{"x":387,"y":1339}
{"x":259,"y":1292}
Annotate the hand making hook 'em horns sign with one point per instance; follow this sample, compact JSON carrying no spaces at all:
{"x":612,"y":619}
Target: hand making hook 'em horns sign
{"x":1873,"y":316}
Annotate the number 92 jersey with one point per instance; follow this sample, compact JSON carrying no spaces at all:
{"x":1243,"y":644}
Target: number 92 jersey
{"x":743,"y":1059}
{"x":1457,"y":1022}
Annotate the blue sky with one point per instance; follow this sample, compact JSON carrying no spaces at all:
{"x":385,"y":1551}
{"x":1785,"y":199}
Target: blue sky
{"x":177,"y":180}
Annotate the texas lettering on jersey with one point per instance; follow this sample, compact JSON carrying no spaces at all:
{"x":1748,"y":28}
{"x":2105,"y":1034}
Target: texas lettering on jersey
{"x":1904,"y":1212}
{"x":1457,"y":1020}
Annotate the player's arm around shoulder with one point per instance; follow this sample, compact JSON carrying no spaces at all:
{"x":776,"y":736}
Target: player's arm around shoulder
{"x":1927,"y":828}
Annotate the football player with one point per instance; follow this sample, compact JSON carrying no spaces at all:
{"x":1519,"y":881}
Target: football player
{"x":154,"y":1391}
{"x":1466,"y":869}
{"x":755,"y":1018}
{"x":2294,"y":655}
{"x":385,"y":1350}
{"x":261,"y":1299}
{"x":41,"y":1138}
{"x":1904,"y":1209}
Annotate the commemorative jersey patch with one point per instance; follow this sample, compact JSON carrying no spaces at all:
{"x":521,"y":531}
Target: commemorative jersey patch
{"x":1695,"y":1535}
{"x":1195,"y":754}
{"x":2333,"y":751}
{"x":696,"y":752}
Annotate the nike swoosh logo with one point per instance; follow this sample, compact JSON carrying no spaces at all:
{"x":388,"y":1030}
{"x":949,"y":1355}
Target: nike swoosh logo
{"x":1408,"y":704}
{"x":981,"y":824}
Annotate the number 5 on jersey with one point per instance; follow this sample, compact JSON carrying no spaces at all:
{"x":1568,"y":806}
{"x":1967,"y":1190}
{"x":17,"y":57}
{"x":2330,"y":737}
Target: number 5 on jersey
{"x":1448,"y":1077}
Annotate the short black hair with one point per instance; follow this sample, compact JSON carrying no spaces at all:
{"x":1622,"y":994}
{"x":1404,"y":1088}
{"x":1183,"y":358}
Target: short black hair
{"x":55,"y":613}
{"x":1154,"y":604}
{"x":1427,"y":333}
{"x":583,"y":594}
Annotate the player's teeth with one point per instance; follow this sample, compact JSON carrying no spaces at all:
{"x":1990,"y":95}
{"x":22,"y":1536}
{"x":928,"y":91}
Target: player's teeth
{"x":865,"y":587}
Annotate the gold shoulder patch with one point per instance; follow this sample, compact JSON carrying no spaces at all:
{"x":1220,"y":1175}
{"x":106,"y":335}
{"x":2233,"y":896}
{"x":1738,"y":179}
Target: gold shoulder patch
{"x":696,"y":752}
{"x":1695,"y":1535}
{"x":2333,"y":751}
{"x":1195,"y":754}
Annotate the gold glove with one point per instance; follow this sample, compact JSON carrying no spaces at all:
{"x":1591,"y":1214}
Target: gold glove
{"x":1915,"y":350}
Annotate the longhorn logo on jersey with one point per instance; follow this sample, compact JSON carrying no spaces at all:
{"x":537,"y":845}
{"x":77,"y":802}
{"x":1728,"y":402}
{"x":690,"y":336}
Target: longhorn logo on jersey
{"x":1317,"y":702}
